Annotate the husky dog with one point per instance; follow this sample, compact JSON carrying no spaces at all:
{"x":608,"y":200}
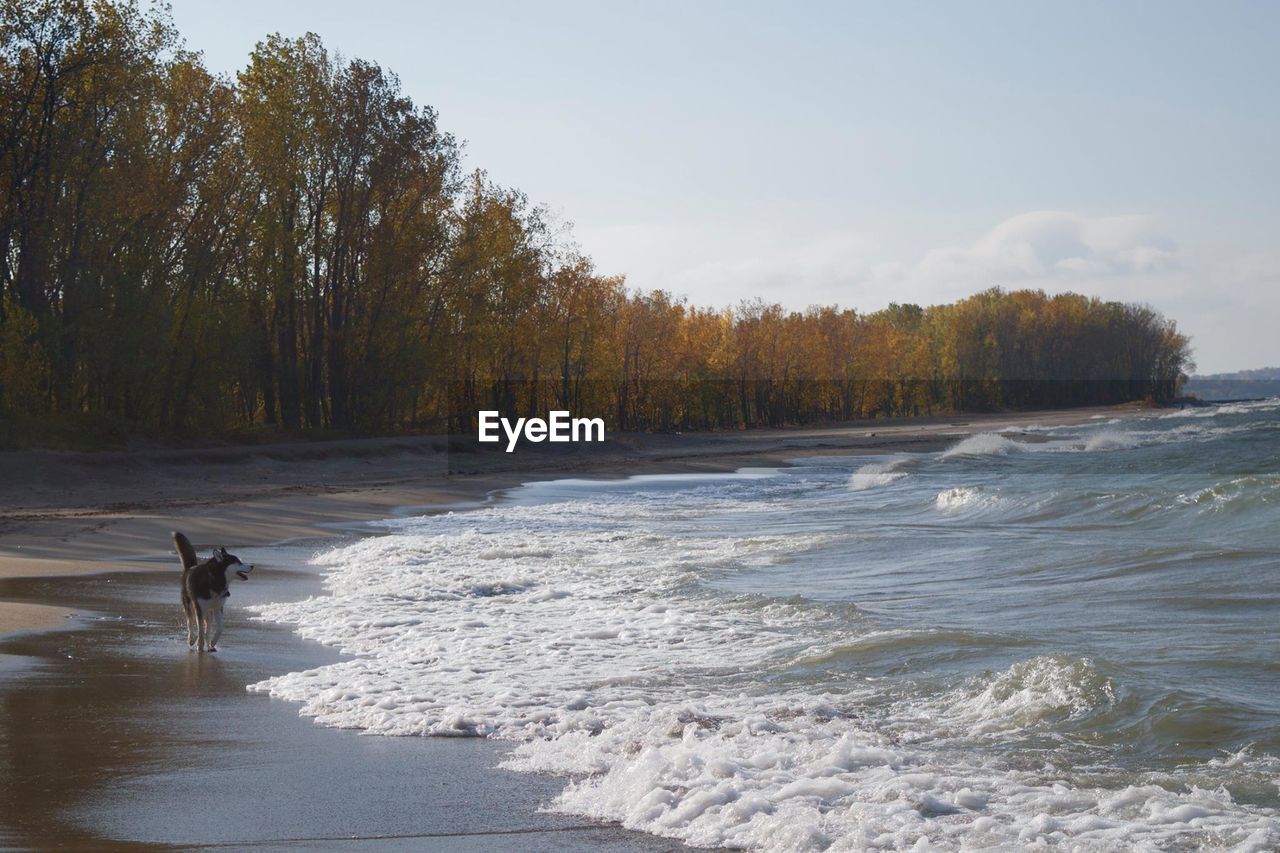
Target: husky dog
{"x":204,"y":590}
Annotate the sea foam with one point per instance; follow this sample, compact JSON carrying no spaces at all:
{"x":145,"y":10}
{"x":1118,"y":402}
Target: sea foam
{"x":984,"y":444}
{"x":875,"y":474}
{"x":585,"y":632}
{"x":1110,"y":440}
{"x":962,"y":498}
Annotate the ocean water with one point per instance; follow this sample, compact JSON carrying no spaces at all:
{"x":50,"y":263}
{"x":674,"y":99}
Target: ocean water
{"x":1055,"y":638}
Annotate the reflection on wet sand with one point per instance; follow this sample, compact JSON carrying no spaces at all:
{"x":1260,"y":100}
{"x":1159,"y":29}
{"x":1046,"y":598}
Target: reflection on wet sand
{"x":115,"y":734}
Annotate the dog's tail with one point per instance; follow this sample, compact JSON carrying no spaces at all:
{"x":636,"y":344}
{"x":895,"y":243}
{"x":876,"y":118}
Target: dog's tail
{"x":185,"y":551}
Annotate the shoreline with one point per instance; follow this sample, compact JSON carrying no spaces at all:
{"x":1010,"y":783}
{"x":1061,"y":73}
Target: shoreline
{"x":113,"y":696}
{"x":111,"y":727}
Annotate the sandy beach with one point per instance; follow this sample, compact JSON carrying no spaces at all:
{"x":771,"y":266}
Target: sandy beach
{"x":109,"y":726}
{"x":864,"y":431}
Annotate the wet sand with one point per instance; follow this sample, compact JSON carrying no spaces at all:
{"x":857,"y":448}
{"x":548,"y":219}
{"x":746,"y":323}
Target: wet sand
{"x":113,"y":734}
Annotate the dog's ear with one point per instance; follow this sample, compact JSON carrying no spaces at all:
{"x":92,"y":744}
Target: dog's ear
{"x":221,"y":552}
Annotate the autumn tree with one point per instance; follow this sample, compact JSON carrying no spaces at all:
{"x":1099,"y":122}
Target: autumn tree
{"x":299,"y":250}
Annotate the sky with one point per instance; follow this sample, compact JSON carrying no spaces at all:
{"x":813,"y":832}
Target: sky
{"x":861,"y":153}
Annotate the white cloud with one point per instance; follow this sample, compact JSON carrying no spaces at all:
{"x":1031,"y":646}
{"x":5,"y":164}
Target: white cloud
{"x":1054,"y":244}
{"x":1036,"y":249}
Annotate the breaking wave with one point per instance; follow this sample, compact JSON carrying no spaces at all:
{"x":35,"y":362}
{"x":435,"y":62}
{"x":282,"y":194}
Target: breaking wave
{"x":875,"y":474}
{"x":1237,"y":493}
{"x":1110,"y":440}
{"x":699,"y":664}
{"x":1043,"y":690}
{"x":985,"y":444}
{"x":963,"y":498}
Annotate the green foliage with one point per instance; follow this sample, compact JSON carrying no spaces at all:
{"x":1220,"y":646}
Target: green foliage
{"x":298,"y":252}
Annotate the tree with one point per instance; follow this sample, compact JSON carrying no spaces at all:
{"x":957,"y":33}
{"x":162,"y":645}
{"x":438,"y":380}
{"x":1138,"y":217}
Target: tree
{"x":299,"y":250}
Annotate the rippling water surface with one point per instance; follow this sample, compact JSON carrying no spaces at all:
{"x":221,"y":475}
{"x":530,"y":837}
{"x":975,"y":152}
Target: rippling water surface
{"x":1058,"y":638}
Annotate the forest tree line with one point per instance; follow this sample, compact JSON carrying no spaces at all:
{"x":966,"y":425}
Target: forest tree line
{"x":300,"y":248}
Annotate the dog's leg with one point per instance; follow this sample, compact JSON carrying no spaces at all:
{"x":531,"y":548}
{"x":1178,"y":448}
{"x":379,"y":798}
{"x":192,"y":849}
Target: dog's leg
{"x":217,"y":630}
{"x":202,"y":620}
{"x":189,"y":608}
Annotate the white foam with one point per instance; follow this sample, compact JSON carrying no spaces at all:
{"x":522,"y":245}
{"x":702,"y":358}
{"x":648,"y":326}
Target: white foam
{"x":582,"y":631}
{"x":551,"y":603}
{"x":1110,"y":440}
{"x":794,"y":778}
{"x":1237,"y":491}
{"x":968,"y":498}
{"x":984,"y":444}
{"x":995,"y":444}
{"x":875,"y":474}
{"x":1045,"y":689}
{"x":1107,"y":439}
{"x":1214,"y":410}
